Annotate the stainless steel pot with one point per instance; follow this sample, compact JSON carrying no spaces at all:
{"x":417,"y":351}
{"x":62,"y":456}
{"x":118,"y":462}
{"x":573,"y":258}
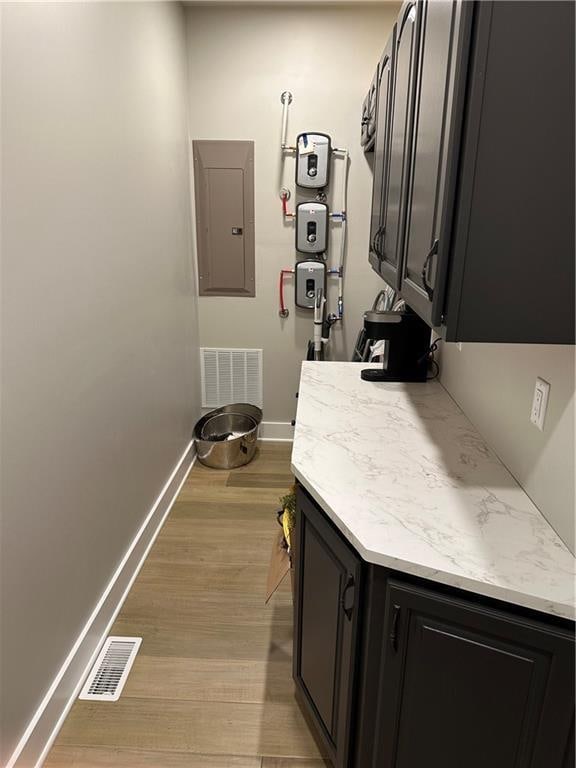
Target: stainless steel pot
{"x":226,"y":437}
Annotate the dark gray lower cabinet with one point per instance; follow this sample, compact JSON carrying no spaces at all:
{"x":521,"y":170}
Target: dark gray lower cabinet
{"x":328,"y":582}
{"x":464,"y":685}
{"x":398,"y":673}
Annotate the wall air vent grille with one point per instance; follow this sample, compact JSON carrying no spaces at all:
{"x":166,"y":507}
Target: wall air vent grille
{"x":110,"y":671}
{"x":231,"y":376}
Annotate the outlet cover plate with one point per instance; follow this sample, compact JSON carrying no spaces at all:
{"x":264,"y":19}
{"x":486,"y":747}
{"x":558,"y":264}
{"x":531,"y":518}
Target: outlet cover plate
{"x":540,"y":403}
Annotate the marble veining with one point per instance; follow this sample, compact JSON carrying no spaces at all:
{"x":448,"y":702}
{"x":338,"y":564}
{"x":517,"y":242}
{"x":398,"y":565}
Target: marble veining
{"x":412,"y":485}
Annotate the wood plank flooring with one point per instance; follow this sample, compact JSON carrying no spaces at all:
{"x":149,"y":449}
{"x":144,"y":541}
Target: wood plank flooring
{"x":211,"y":686}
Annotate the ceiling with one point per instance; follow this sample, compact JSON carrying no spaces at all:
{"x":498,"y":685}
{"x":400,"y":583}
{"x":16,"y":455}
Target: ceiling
{"x":289,"y":2}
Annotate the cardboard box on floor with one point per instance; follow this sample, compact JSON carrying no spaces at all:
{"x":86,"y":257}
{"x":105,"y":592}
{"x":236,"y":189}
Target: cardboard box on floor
{"x":280,"y":566}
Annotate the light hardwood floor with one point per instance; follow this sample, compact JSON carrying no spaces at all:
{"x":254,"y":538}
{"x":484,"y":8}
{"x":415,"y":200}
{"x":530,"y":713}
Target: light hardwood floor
{"x":211,"y":686}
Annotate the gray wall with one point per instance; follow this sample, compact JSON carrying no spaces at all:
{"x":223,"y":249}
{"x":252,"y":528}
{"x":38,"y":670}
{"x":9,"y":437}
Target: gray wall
{"x":326,"y":56}
{"x":99,"y":351}
{"x":494,"y":385}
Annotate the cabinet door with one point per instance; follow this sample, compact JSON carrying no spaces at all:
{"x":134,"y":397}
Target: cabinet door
{"x":381,"y":152}
{"x":512,"y":269}
{"x":469,"y":687}
{"x":395,"y":190}
{"x":443,"y":39}
{"x":327,"y":591}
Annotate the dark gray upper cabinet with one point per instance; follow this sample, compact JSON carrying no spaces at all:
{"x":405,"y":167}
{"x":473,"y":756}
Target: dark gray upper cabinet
{"x":381,"y":152}
{"x":399,"y":144}
{"x":484,"y":170}
{"x":443,"y":31}
{"x":327,"y":581}
{"x":514,"y":230}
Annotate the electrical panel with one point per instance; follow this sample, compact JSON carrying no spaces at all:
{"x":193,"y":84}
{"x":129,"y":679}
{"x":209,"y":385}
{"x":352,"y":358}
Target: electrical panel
{"x":312,"y":227}
{"x":313,"y":152}
{"x":310,"y":278}
{"x":224,"y":184}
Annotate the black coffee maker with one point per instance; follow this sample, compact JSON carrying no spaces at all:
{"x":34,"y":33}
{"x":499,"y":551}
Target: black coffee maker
{"x":408,"y":337}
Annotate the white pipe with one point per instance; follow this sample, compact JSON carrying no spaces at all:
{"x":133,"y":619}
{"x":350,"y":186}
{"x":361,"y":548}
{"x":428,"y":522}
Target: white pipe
{"x":284,"y":124}
{"x":343,"y":234}
{"x":318,"y":319}
{"x":286,"y":99}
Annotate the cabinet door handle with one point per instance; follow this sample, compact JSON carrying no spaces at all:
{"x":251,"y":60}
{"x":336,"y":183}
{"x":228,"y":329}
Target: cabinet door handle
{"x":375,"y":242}
{"x":347,"y":587}
{"x":380,"y":241}
{"x":429,"y":290}
{"x":394,"y":630}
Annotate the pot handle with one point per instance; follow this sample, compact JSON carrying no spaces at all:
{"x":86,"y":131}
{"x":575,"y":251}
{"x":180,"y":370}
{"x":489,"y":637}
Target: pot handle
{"x":248,"y":440}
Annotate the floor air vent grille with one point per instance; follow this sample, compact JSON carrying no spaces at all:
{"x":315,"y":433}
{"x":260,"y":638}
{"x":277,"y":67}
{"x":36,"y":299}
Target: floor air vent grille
{"x":106,"y":680}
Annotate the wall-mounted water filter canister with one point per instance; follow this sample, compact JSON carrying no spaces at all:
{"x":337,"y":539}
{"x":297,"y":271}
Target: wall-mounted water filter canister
{"x":313,"y":153}
{"x":311,"y":227}
{"x":310,"y":278}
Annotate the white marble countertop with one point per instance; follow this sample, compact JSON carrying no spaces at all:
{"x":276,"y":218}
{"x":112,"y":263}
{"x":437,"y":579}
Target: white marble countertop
{"x":411,"y":484}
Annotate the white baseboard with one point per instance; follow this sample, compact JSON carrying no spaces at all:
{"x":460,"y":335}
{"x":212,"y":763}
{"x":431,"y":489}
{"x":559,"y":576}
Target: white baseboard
{"x":42,"y":730}
{"x":281,"y":431}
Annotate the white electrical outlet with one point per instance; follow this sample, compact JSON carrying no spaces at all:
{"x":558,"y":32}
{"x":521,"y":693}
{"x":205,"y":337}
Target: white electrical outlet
{"x":540,"y":403}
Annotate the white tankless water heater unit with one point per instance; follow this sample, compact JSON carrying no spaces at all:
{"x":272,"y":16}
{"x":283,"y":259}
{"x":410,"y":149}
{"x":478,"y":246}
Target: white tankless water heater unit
{"x":312,"y":227}
{"x":310,"y":280}
{"x":313,"y":154}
